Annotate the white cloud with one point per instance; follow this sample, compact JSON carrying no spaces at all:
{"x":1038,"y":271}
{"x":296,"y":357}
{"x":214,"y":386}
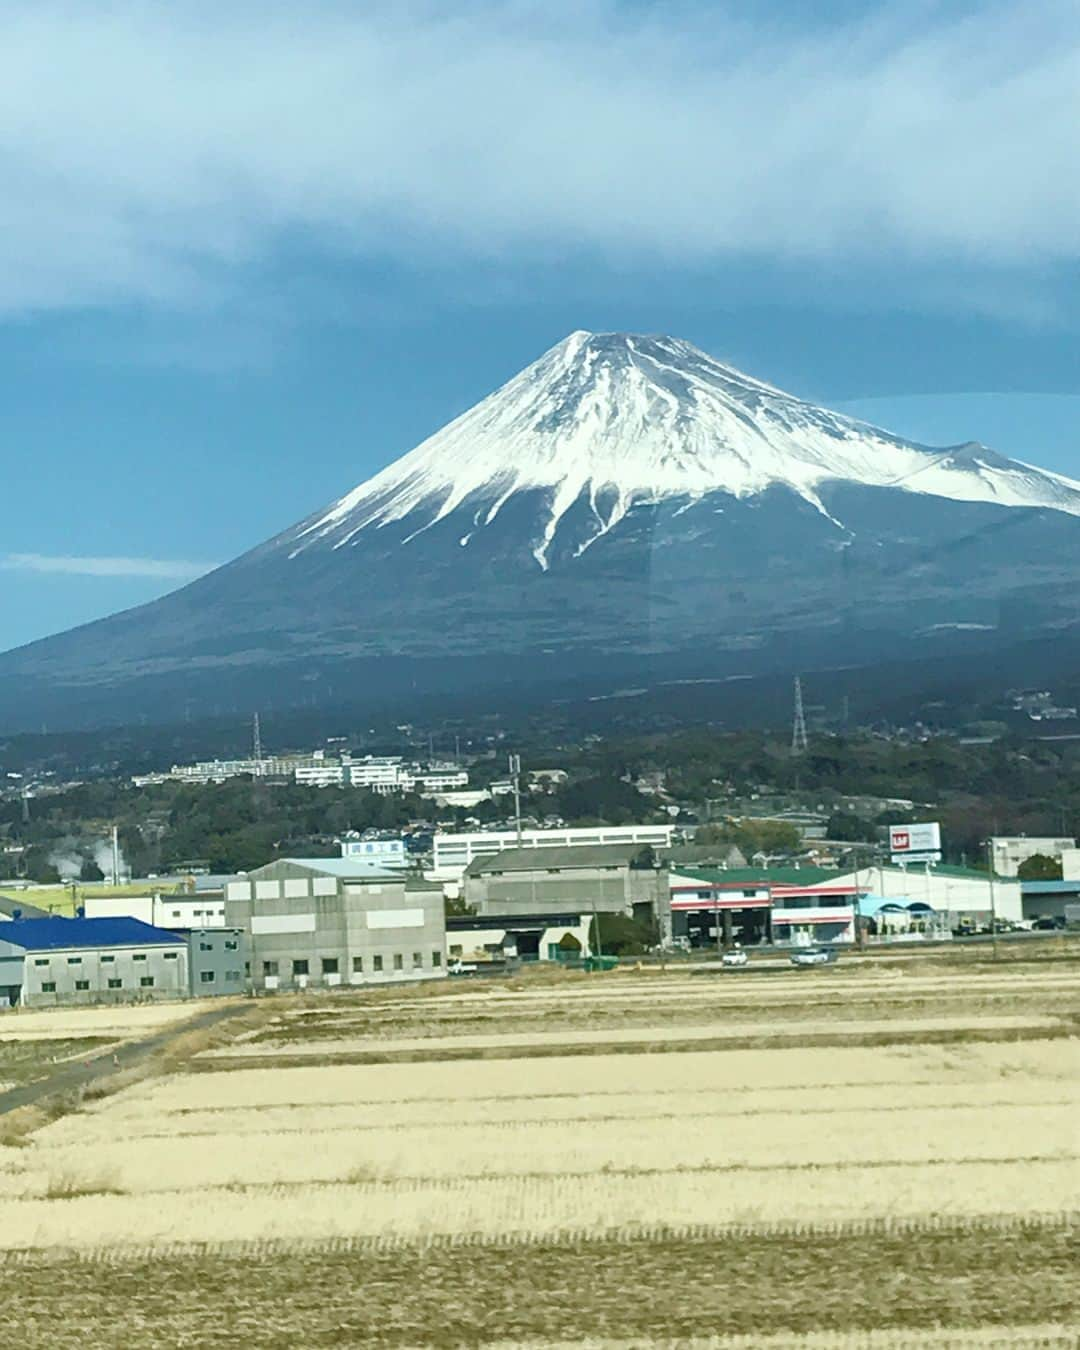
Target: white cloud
{"x":172,"y":569}
{"x":151,"y":151}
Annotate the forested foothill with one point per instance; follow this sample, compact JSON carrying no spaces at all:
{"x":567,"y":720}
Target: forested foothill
{"x":706,"y":778}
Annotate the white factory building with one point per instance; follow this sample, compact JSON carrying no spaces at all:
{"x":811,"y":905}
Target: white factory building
{"x":955,"y":893}
{"x":380,"y":855}
{"x":206,"y":910}
{"x":380,"y":774}
{"x":1009,"y":851}
{"x":454,"y":852}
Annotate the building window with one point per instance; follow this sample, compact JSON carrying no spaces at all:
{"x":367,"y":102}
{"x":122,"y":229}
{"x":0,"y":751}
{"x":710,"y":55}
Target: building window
{"x":232,"y":945}
{"x":108,"y":960}
{"x":329,"y":965}
{"x":269,"y":967}
{"x":41,"y":961}
{"x":170,"y":956}
{"x":418,"y":960}
{"x":74,"y":960}
{"x":206,"y":976}
{"x":399,"y":961}
{"x":455,"y":950}
{"x":436,"y":960}
{"x":247,"y":967}
{"x":357,"y":964}
{"x":139,"y":956}
{"x":176,"y":913}
{"x":147,"y":981}
{"x":376,"y":963}
{"x":49,"y":987}
{"x":82,"y":984}
{"x":206,"y":946}
{"x":299,"y":967}
{"x":232,"y":976}
{"x":115,"y":984}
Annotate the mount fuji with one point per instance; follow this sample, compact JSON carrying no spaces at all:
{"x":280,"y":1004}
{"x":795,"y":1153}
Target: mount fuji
{"x":625,"y":504}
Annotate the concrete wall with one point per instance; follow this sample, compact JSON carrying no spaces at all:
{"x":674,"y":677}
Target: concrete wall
{"x":217,"y":961}
{"x":607,"y":890}
{"x":112,"y":975}
{"x":311,"y":931}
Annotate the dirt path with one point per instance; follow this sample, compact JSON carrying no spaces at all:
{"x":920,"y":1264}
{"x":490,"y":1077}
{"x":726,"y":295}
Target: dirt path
{"x":102,"y":1063}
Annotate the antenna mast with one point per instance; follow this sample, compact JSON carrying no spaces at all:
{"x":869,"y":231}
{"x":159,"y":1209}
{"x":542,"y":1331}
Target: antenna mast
{"x":798,"y":729}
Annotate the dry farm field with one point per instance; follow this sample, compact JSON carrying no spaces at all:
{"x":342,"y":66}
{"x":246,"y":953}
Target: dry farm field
{"x":857,"y":1156}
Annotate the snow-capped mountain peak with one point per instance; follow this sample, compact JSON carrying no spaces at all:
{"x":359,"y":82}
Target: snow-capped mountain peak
{"x":614,"y":419}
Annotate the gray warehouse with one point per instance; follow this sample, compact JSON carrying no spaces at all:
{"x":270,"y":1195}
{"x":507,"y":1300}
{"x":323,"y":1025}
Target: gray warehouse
{"x":603,"y":878}
{"x":48,"y":962}
{"x":326,"y":922}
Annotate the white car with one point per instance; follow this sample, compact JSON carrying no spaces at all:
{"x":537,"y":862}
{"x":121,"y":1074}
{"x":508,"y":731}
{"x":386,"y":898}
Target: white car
{"x":736,"y":957}
{"x":813,"y":956}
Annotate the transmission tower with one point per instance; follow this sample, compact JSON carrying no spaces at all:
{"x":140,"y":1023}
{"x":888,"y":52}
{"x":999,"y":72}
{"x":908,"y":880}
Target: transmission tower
{"x":256,"y":739}
{"x":798,"y":729}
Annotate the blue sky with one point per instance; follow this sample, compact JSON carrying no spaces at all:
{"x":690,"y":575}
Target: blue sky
{"x":253,"y":252}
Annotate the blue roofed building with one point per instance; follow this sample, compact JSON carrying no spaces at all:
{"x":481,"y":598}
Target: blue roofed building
{"x":57,"y":961}
{"x":1046,"y":902}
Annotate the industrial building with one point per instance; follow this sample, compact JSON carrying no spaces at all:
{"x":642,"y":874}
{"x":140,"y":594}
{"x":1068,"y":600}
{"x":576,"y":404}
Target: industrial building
{"x":203,"y":909}
{"x":326,"y":922}
{"x":454,"y":852}
{"x":57,"y":961}
{"x":958,"y":894}
{"x":1008,"y":852}
{"x":218,"y":961}
{"x":754,"y":905}
{"x":520,"y":937}
{"x":380,"y":855}
{"x":1048,"y":899}
{"x":600,"y":878}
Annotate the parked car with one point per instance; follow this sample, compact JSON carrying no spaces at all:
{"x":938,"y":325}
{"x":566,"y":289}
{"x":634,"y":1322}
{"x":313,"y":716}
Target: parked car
{"x":813,"y":956}
{"x":735,"y":957}
{"x":460,"y":968}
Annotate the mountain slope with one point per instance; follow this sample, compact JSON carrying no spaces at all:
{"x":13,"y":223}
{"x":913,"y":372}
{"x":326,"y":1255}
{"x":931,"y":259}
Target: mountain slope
{"x":613,"y":419}
{"x":625,"y":503}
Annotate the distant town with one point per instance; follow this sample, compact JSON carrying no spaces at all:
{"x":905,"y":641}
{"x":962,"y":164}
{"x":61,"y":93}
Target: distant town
{"x":330,"y":867}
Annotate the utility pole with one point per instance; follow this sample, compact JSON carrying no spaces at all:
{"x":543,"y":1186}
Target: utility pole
{"x":515,"y":779}
{"x":115,"y":855}
{"x":855,"y":906}
{"x":993,"y":898}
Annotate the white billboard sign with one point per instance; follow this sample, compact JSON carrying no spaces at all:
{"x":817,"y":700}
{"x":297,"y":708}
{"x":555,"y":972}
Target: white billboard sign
{"x":915,"y":843}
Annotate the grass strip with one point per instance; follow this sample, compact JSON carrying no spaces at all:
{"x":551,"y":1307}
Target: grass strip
{"x":657,"y":1288}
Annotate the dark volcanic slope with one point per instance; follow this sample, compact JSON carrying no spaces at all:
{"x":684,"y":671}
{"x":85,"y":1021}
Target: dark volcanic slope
{"x":624,"y":506}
